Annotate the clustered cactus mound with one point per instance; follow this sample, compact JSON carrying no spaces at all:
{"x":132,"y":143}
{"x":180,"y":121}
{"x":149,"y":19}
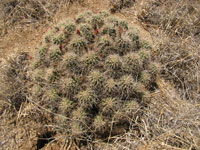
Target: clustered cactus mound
{"x":95,"y":72}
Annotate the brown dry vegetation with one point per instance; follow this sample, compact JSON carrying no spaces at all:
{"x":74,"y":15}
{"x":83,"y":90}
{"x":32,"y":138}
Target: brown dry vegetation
{"x":170,"y":120}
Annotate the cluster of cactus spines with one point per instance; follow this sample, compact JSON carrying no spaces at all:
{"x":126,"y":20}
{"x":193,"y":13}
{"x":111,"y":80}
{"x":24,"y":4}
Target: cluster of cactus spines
{"x":133,"y":63}
{"x":109,"y":106}
{"x":55,"y":55}
{"x":145,"y":77}
{"x":145,"y":57}
{"x":113,"y":65}
{"x":111,"y":31}
{"x":69,"y":87}
{"x":70,"y":28}
{"x":80,"y":19}
{"x":58,"y":40}
{"x":96,"y":81}
{"x":99,"y":123}
{"x":87,"y":98}
{"x":100,"y":71}
{"x":123,"y":46}
{"x":78,"y":122}
{"x":97,"y":22}
{"x":90,"y":60}
{"x":126,"y":86}
{"x":71,"y":62}
{"x":87,"y":33}
{"x":42,"y":52}
{"x":66,"y":106}
{"x":135,"y":40}
{"x":38,"y":75}
{"x":131,"y":107}
{"x":51,"y":75}
{"x":79,"y":46}
{"x":50,"y":99}
{"x":110,"y":88}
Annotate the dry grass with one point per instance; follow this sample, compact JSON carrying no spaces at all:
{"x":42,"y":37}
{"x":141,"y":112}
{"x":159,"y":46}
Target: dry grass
{"x":175,"y":31}
{"x":23,"y":12}
{"x":117,"y":5}
{"x":174,"y":27}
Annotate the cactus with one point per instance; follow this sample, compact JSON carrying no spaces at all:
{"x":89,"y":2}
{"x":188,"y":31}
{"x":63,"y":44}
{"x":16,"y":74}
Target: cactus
{"x":126,"y":86}
{"x":70,"y":28}
{"x":154,"y":68}
{"x":77,"y":130}
{"x":131,"y":107}
{"x":114,"y":21}
{"x":37,"y":90}
{"x":144,"y":57}
{"x":71,"y":59}
{"x":37,"y":64}
{"x":72,"y":62}
{"x":128,"y":112}
{"x":55,"y":55}
{"x":133,"y":64}
{"x":99,"y":124}
{"x":135,"y":40}
{"x":105,"y":47}
{"x":104,"y":14}
{"x":145,"y":77}
{"x":43,"y":52}
{"x":96,"y":73}
{"x":90,"y":60}
{"x":66,"y":106}
{"x":97,"y":22}
{"x":123,"y":46}
{"x":69,"y":87}
{"x":48,"y":37}
{"x":78,"y":122}
{"x":113,"y":65}
{"x":87,"y":98}
{"x":51,"y":75}
{"x":109,"y":106}
{"x":124,"y":25}
{"x":58,"y":40}
{"x":80,"y":19}
{"x":51,"y":95}
{"x":50,"y":99}
{"x":111,"y":31}
{"x":79,"y":46}
{"x":96,"y":80}
{"x":38,"y":75}
{"x":86,"y":30}
{"x":110,"y":88}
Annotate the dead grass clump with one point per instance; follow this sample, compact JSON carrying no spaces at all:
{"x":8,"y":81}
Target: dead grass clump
{"x":180,"y":64}
{"x":18,"y":114}
{"x":175,"y":30}
{"x":169,"y":122}
{"x":13,"y":85}
{"x":180,"y":18}
{"x":30,"y":11}
{"x":117,"y":5}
